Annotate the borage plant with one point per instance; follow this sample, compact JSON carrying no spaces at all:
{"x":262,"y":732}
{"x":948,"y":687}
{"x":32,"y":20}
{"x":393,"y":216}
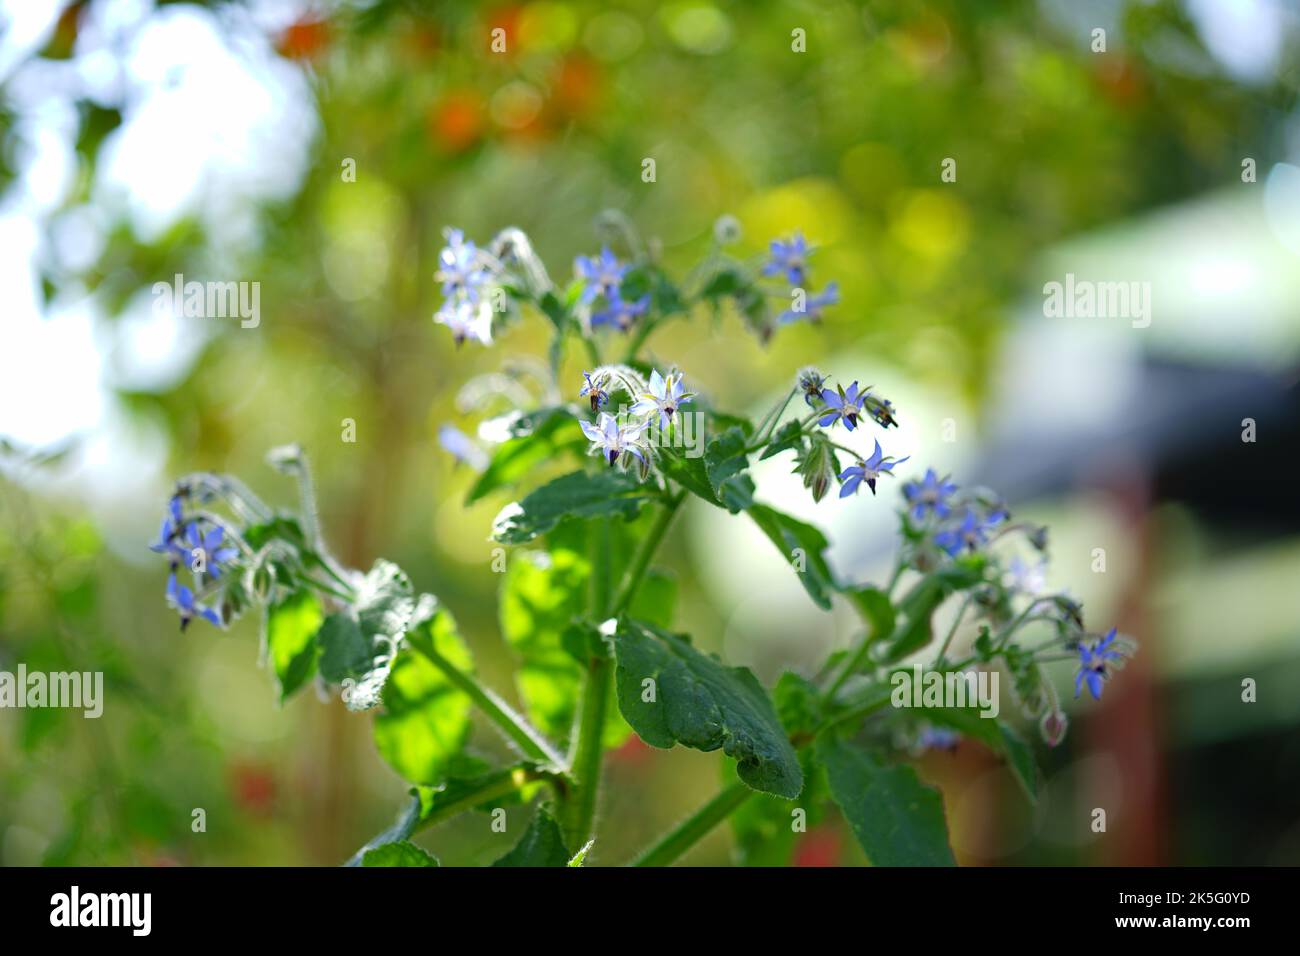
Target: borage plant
{"x":589,"y":616}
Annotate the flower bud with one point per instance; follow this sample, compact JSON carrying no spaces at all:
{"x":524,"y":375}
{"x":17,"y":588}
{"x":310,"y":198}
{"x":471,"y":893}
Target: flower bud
{"x":1053,"y":727}
{"x":726,"y":230}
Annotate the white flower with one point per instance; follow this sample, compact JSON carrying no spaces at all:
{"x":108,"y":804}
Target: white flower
{"x":467,"y":320}
{"x":612,"y":440}
{"x":665,"y":396}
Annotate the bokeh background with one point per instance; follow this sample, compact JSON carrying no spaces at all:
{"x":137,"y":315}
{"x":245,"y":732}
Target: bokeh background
{"x":139,"y":140}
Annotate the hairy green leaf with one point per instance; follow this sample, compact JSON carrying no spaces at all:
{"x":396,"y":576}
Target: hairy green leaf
{"x":291,"y":626}
{"x":579,"y":494}
{"x":896,"y":818}
{"x":543,"y":593}
{"x":358,"y":646}
{"x":803,"y":546}
{"x":671,"y":693}
{"x":788,"y":436}
{"x":426,"y":720}
{"x":875,"y":608}
{"x":536,"y":439}
{"x":399,"y":853}
{"x":541,"y":845}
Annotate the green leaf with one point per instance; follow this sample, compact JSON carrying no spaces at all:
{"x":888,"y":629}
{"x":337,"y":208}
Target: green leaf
{"x":896,"y":818}
{"x":358,"y":647}
{"x":763,"y":826}
{"x":803,"y":546}
{"x":553,"y":309}
{"x":426,"y":720}
{"x":995,"y":735}
{"x":291,"y":626}
{"x":537,"y":438}
{"x":735,"y":493}
{"x":788,"y":436}
{"x":875,"y":609}
{"x":725,"y":459}
{"x":344,"y":651}
{"x":399,"y":853}
{"x":798,"y":704}
{"x":697,"y":701}
{"x":543,"y":593}
{"x":470,"y":784}
{"x":541,"y":845}
{"x":580,"y":858}
{"x":283,"y":527}
{"x":818,"y":464}
{"x":580,"y":494}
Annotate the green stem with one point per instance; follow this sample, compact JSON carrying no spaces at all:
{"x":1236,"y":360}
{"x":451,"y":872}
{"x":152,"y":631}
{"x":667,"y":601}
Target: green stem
{"x":695,"y":827}
{"x":499,"y":784}
{"x":952,"y":631}
{"x":579,"y":811}
{"x":529,"y":740}
{"x":641,"y":559}
{"x":772,"y":417}
{"x":638,"y":340}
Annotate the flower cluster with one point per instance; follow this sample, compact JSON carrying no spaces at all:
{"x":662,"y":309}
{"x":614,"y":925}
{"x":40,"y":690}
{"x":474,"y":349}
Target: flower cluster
{"x":654,"y":403}
{"x":847,"y":407}
{"x":789,"y":260}
{"x":200,"y":544}
{"x":602,"y":284}
{"x":968,"y":536}
{"x":464,"y":271}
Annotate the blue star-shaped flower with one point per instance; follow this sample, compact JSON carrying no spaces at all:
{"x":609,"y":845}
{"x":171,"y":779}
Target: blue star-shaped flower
{"x":790,"y":259}
{"x":868,"y":471}
{"x":169,"y":535}
{"x":813,"y":306}
{"x":844,"y":405}
{"x":1093,"y":663}
{"x":595,"y":390}
{"x":602,"y":275}
{"x":929,"y":495}
{"x":620,"y":313}
{"x":182,"y":598}
{"x":215,"y":553}
{"x":971,"y":532}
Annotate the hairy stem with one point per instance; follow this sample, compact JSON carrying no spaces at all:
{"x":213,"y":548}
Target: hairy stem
{"x":531,"y":742}
{"x":695,"y":827}
{"x":644,"y":553}
{"x":698,"y":825}
{"x":952,"y":631}
{"x":579,"y":811}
